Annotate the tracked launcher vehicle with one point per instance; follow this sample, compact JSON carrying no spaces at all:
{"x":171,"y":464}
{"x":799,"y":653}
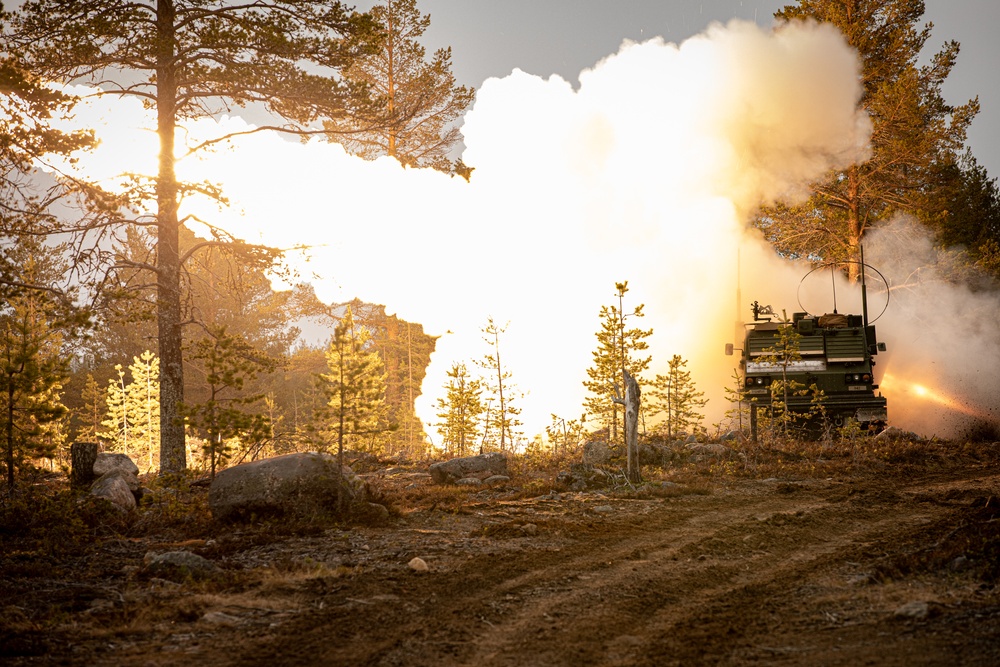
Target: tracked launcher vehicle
{"x":835,"y":352}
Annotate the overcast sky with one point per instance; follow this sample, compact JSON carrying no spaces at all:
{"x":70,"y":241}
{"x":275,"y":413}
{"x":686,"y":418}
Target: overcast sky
{"x":492,"y":37}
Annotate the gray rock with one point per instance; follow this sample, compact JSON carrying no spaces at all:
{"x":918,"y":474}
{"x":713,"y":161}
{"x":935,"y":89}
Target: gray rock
{"x":596,"y":453}
{"x":496,"y":480}
{"x":293,"y":484}
{"x":480,"y":467}
{"x":469,"y":481}
{"x":113,"y":487}
{"x":108,"y":461}
{"x":916,"y":609}
{"x":178,"y":565}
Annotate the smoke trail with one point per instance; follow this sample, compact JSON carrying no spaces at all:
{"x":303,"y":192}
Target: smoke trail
{"x":941,"y":374}
{"x":644,"y":173}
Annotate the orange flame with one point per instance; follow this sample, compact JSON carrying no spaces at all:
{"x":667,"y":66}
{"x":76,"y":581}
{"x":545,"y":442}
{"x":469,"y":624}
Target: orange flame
{"x":917,"y":390}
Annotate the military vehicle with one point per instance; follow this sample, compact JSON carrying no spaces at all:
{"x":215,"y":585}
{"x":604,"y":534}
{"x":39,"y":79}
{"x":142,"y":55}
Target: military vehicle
{"x":833,"y":352}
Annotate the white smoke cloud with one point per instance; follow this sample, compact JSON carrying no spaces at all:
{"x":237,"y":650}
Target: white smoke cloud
{"x":645,"y":173}
{"x":941,"y":373}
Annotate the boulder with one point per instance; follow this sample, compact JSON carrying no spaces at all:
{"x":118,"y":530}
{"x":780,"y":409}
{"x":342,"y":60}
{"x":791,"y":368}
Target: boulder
{"x":596,"y":453}
{"x":113,"y":487}
{"x":107,"y":461}
{"x":480,"y":467}
{"x":293,"y":484}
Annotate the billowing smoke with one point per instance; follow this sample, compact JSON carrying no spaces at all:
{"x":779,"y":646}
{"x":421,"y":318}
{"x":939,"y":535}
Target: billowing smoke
{"x":941,"y":372}
{"x":645,"y":173}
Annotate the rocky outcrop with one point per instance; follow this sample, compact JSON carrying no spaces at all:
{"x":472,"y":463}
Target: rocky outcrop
{"x":479,"y":467}
{"x":294,"y":484}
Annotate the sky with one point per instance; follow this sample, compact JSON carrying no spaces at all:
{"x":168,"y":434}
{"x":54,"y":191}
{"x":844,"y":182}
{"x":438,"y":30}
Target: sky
{"x":543,"y":37}
{"x":599,"y":161}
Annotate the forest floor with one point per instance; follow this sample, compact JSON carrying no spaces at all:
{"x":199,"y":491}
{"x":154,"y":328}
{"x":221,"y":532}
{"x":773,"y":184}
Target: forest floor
{"x":891,"y":558}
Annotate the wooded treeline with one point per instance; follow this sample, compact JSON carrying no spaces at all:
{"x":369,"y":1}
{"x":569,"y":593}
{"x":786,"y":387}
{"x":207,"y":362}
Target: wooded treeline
{"x":117,"y":322}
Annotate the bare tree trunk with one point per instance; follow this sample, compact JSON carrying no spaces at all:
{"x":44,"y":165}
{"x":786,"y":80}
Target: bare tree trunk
{"x":632,"y":428}
{"x":173,"y":454}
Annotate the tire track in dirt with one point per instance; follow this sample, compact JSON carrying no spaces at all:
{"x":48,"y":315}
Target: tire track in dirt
{"x":695,"y":580}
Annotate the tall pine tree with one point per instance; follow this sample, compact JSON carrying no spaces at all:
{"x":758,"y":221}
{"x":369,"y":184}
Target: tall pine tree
{"x":420,"y":96}
{"x":915,"y":132}
{"x":193,"y":59}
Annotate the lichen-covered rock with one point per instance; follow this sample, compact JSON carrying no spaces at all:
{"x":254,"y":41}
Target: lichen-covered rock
{"x":113,"y":486}
{"x":293,"y":484}
{"x":479,"y":467}
{"x":108,"y":461}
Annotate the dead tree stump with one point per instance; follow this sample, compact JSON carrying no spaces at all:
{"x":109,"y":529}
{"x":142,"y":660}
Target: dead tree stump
{"x":82,"y":457}
{"x":632,"y":428}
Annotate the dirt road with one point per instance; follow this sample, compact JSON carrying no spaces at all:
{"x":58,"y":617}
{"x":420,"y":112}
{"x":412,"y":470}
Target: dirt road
{"x":773,"y":572}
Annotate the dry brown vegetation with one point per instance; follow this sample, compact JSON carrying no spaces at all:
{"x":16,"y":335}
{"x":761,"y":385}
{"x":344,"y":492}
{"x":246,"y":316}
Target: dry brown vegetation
{"x":884,"y":552}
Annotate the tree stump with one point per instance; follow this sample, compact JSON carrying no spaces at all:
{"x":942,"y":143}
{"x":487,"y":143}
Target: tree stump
{"x":632,"y":428}
{"x":82,"y":457}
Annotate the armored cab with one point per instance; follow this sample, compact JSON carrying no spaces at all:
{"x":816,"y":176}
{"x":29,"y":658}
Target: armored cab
{"x":834,"y":352}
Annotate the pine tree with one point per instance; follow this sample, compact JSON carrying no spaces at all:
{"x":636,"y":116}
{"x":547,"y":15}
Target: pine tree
{"x":616,"y":348}
{"x":563,"y":436}
{"x":229,"y":415}
{"x":191,"y":59}
{"x":915,"y":132}
{"x":34,"y":325}
{"x":782,"y":356}
{"x":460,"y":410}
{"x":143,"y":400}
{"x":89,"y":414}
{"x":118,"y":421}
{"x":354,"y":412}
{"x":501,"y":421}
{"x":420,"y":96}
{"x":675,"y":397}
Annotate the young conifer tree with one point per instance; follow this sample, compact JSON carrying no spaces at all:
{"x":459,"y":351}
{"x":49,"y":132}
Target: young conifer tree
{"x":34,"y":324}
{"x":229,"y":412}
{"x":675,"y":397}
{"x":143,"y":400}
{"x":501,"y":428}
{"x":354,"y":388}
{"x":460,"y":410}
{"x":616,"y":352}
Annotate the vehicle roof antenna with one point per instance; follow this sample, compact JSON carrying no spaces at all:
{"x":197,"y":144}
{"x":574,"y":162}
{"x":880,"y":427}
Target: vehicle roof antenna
{"x":864,"y":289}
{"x":833,"y":281}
